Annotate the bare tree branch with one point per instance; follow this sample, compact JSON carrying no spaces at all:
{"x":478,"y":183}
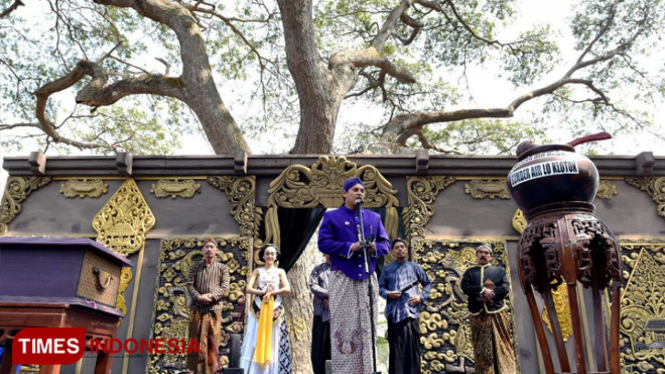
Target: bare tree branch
{"x":603,"y":30}
{"x":13,"y":7}
{"x":97,"y":93}
{"x":371,"y":57}
{"x":389,"y":25}
{"x":428,"y":145}
{"x":5,"y":126}
{"x":403,"y":126}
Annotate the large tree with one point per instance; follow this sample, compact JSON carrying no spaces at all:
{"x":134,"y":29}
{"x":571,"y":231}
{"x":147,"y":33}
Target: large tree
{"x":297,"y":62}
{"x":110,"y":75}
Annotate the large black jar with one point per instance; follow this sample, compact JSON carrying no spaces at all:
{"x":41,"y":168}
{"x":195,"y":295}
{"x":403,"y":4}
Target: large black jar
{"x":550,"y":174}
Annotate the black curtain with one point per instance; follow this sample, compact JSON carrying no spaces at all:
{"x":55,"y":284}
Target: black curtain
{"x":296,"y":227}
{"x":400,"y":232}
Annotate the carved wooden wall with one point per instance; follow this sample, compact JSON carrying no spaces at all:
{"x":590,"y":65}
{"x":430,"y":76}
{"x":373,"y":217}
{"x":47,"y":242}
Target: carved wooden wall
{"x":159,"y":222}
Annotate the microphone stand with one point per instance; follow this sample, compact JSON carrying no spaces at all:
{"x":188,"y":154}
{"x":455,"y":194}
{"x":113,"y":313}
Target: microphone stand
{"x":364,"y":245}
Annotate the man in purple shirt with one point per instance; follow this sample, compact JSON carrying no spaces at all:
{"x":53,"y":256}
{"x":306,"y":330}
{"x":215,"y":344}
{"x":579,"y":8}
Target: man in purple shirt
{"x":350,"y":324}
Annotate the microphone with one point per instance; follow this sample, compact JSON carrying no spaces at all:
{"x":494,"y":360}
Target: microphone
{"x":359,"y":202}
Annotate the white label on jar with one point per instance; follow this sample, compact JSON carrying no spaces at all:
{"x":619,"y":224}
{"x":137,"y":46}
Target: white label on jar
{"x":543,"y":169}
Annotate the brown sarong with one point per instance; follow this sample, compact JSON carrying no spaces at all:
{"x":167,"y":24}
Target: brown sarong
{"x":206,"y":328}
{"x":350,"y":327}
{"x":493,"y":343}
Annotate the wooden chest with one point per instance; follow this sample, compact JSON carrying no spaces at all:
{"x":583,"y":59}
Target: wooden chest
{"x":73,"y":271}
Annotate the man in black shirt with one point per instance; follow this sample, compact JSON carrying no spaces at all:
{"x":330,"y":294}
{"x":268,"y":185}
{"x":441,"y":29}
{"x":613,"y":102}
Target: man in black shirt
{"x":486,"y":288}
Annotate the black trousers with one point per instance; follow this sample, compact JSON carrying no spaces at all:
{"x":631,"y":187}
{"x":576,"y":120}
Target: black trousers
{"x":404,"y":342}
{"x":320,"y":345}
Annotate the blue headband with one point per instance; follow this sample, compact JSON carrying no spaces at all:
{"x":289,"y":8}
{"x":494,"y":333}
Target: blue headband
{"x":352,"y":182}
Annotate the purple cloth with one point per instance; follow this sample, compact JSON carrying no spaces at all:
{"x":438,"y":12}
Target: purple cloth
{"x":352,"y":182}
{"x":339,"y":231}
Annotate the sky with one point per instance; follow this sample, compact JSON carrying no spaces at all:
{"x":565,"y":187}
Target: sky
{"x":486,"y":89}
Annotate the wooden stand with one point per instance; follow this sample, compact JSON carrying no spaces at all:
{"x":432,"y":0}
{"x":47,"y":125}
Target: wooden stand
{"x":563,"y":245}
{"x":16,"y":316}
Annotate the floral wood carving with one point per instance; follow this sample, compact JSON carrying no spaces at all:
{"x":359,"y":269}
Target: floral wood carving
{"x":655,"y":187}
{"x":642,"y":310}
{"x":122,"y":225}
{"x":241,"y":193}
{"x":606,"y":190}
{"x":84,"y":188}
{"x":519,"y":221}
{"x":17,"y":190}
{"x":301,"y":187}
{"x":480,"y":189}
{"x":321,"y":185}
{"x":124,"y":221}
{"x":175,"y":188}
{"x":422,"y":193}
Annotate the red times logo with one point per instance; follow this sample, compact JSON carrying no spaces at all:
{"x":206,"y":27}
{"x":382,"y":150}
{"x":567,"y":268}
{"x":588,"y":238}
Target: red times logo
{"x":48,"y":346}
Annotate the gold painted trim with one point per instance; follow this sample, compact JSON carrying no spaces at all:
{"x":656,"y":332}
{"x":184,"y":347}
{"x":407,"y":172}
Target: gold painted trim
{"x":187,"y":237}
{"x":17,"y":190}
{"x":79,"y":366}
{"x":135,"y":297}
{"x":422,"y":193}
{"x":113,"y":178}
{"x":591,"y":357}
{"x":471,"y":238}
{"x":51,"y":235}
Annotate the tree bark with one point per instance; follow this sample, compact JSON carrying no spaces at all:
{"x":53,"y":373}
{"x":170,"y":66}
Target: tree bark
{"x":299,"y":313}
{"x":318,"y":112}
{"x":200,"y":90}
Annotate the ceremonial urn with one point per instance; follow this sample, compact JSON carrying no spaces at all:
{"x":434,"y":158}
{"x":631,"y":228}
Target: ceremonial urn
{"x":565,"y":244}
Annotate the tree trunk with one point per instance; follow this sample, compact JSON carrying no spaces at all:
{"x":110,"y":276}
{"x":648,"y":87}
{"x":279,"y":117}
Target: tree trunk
{"x":299,"y":312}
{"x":320,"y":91}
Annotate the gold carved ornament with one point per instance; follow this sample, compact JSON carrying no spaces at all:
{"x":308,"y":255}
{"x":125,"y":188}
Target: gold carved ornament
{"x":175,"y":188}
{"x":653,"y":186}
{"x":241,"y":192}
{"x":172,"y":299}
{"x":445,"y":332}
{"x":606,"y":190}
{"x":122,"y":225}
{"x":642,"y":339}
{"x":480,"y":189}
{"x":422,"y":193}
{"x":562,"y":307}
{"x":84,"y":188}
{"x":321,"y":185}
{"x":16,"y":191}
{"x":519,"y":221}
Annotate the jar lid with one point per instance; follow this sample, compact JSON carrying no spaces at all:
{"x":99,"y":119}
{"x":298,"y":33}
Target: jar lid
{"x":545,"y":148}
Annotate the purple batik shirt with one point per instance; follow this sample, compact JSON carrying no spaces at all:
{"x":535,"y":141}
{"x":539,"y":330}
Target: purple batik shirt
{"x":339,"y":230}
